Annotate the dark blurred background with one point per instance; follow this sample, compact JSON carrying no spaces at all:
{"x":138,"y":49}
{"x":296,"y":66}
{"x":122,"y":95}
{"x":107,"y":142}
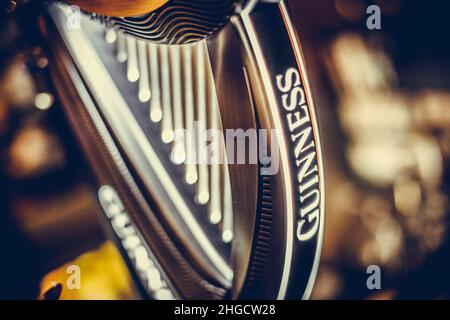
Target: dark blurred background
{"x":383,"y":99}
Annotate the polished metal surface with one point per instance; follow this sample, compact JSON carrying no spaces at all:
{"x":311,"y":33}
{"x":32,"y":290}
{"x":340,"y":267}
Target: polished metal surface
{"x":248,"y":230}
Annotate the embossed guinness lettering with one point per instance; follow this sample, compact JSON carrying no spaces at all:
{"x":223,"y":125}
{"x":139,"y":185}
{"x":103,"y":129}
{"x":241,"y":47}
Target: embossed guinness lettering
{"x":294,"y":104}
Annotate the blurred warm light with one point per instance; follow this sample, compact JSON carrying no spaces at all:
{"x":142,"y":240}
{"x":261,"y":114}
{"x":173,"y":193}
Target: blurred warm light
{"x":43,"y":100}
{"x":394,"y":145}
{"x":377,"y":116}
{"x":407,"y":196}
{"x":379,"y":163}
{"x":329,"y":284}
{"x":428,"y":159}
{"x":33,"y":151}
{"x":389,"y":241}
{"x":358,"y":68}
{"x":432,"y":109}
{"x":18,"y":86}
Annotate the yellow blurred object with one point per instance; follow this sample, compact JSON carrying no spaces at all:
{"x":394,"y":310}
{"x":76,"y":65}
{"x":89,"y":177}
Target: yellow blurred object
{"x":96,"y":275}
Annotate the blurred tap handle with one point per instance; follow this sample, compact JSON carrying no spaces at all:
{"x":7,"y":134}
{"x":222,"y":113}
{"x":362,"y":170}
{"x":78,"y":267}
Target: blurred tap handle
{"x":118,"y":8}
